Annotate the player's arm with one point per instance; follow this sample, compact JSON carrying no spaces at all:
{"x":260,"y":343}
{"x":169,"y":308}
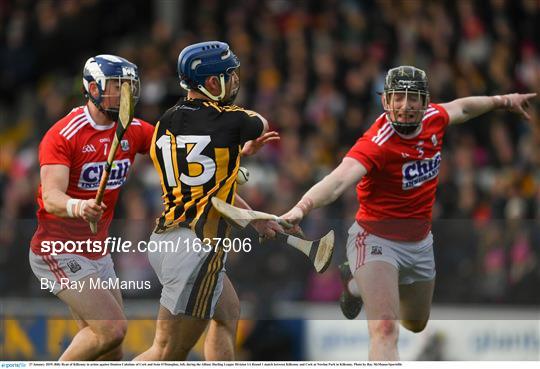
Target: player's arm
{"x":466,"y":108}
{"x":144,"y":135}
{"x":252,"y":146}
{"x":240,"y":202}
{"x":54,"y":184}
{"x":348,"y":173}
{"x":266,"y":228}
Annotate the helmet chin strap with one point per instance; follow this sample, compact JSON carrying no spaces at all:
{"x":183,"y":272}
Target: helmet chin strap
{"x":406,"y":135}
{"x":111,"y":114}
{"x":210,"y":95}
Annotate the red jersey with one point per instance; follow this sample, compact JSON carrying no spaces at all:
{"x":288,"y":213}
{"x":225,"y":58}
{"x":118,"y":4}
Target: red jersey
{"x":77,"y":142}
{"x":398,"y":192}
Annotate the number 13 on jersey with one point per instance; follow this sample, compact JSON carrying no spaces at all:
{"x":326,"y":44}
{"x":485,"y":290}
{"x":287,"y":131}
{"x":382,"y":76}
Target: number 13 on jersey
{"x":194,"y":146}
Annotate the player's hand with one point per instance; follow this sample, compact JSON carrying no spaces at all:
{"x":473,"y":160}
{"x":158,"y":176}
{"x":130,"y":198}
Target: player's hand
{"x":91,"y":211}
{"x":518,"y":103}
{"x":251,"y":147}
{"x":267,"y":228}
{"x":294,"y":216}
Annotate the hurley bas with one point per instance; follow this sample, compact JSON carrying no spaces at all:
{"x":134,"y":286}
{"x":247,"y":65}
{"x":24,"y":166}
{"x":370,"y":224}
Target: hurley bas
{"x":94,"y":284}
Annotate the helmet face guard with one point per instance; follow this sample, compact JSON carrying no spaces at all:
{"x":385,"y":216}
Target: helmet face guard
{"x":104,"y":69}
{"x":202,"y":60}
{"x":406,"y":98}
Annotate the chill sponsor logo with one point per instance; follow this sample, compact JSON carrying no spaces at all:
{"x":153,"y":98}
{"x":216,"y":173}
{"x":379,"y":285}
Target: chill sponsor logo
{"x":91,"y":174}
{"x":415,"y":173}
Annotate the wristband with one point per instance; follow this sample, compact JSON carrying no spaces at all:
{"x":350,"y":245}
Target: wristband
{"x":75,"y":208}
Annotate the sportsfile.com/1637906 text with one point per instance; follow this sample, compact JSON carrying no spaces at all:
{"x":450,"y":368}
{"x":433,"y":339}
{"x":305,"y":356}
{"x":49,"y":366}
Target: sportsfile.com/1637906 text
{"x":117,"y":244}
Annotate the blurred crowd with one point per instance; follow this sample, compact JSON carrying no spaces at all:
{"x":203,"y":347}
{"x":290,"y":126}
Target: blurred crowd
{"x":314,"y":70}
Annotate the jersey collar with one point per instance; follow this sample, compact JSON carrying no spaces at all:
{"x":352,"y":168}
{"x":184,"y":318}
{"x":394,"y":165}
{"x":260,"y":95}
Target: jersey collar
{"x":99,"y":127}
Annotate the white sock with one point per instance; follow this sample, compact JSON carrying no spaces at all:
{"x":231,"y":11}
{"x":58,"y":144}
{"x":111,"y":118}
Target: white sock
{"x":353,"y":288}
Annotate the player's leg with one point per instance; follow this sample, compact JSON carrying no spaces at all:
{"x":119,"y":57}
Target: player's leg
{"x":416,"y":287}
{"x":106,"y":323}
{"x":192,"y":282}
{"x":175,"y":336}
{"x":417,"y":283}
{"x":415,"y":304}
{"x":107,"y":271}
{"x":101,"y":310}
{"x":378,"y":285}
{"x":116,"y":353}
{"x":221,"y":335}
{"x":350,"y":301}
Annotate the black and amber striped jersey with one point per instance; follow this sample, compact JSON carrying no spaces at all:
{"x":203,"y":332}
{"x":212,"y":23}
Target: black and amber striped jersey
{"x":196,"y":151}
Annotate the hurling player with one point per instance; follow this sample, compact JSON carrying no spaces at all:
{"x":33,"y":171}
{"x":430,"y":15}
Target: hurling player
{"x":395,"y":166}
{"x":196,"y":150}
{"x":72,"y":156}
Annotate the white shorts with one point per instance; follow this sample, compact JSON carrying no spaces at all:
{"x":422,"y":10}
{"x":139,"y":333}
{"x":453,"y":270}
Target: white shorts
{"x":413,"y":260}
{"x":192,"y":278}
{"x":71,"y":266}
